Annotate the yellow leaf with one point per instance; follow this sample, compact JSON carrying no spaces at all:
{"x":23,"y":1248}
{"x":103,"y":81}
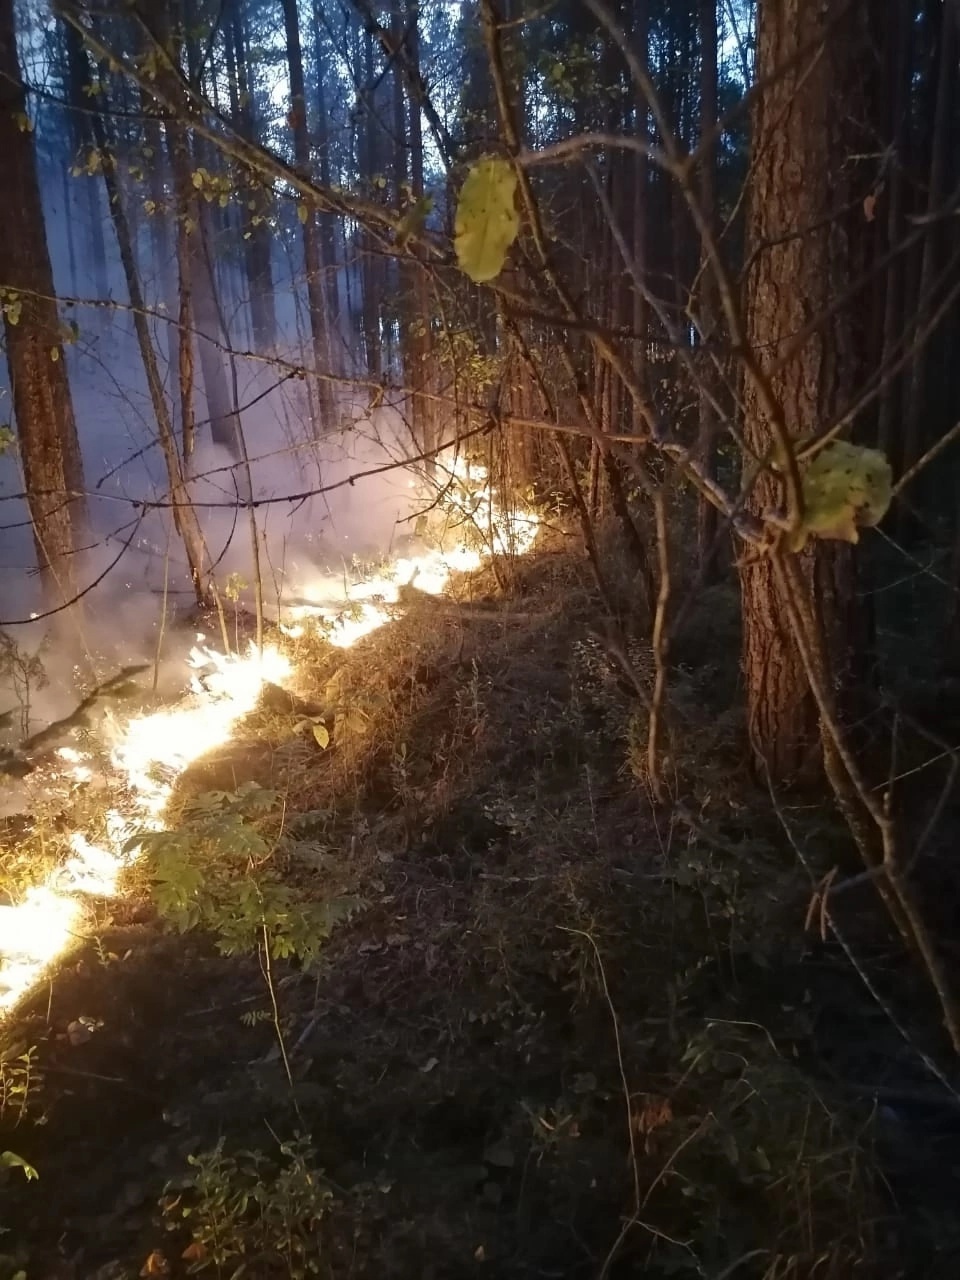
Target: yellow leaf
{"x":155,"y":1265}
{"x":845,"y":488}
{"x":486,"y":223}
{"x":303,"y":213}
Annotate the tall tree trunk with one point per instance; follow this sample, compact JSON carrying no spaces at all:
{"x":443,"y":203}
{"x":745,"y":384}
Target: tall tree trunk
{"x":641,"y":196}
{"x":416,"y":332}
{"x":802,"y":261}
{"x":312,"y":254}
{"x":184,"y":516}
{"x":899,"y":71}
{"x":194,"y":263}
{"x":708,"y":308}
{"x":370,"y":283}
{"x":328,"y":222}
{"x":255,"y":229}
{"x":944,"y":136}
{"x":46,"y":427}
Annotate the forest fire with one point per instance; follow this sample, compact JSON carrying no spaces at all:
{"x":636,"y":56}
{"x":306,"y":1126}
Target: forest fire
{"x":149,"y":752}
{"x":366,"y":605}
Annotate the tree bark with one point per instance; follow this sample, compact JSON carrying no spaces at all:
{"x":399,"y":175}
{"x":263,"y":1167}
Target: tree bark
{"x":418,"y":328}
{"x":184,"y":516}
{"x":43,"y":407}
{"x":255,"y":229}
{"x":370,"y":265}
{"x":328,"y":222}
{"x":802,"y":257}
{"x":641,"y":195}
{"x":943,"y":139}
{"x":312,"y":254}
{"x":708,"y":303}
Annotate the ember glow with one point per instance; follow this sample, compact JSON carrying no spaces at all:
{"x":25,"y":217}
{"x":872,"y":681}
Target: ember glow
{"x":149,"y":752}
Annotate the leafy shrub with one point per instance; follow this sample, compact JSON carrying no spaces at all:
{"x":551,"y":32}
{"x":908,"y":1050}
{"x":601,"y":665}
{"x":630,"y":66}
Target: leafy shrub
{"x":249,"y":1213}
{"x":221,"y":870}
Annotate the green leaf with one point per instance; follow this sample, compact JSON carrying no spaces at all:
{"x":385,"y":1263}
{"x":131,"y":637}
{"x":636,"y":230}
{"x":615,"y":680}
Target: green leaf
{"x":845,"y":487}
{"x":414,"y":220}
{"x":7,"y":439}
{"x":322,"y":734}
{"x":487,"y":223}
{"x":10,"y":1160}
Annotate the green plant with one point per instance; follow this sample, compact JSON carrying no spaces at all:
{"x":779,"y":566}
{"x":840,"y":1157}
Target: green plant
{"x":24,"y":670}
{"x":249,"y":1213}
{"x":20,"y":1084}
{"x":749,"y":1151}
{"x":220,"y":870}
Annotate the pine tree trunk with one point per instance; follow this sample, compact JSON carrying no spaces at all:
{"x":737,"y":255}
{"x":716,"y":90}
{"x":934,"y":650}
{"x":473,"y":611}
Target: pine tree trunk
{"x":419,"y":331}
{"x":370,"y":280}
{"x":802,"y":259}
{"x":708,"y":308}
{"x":312,"y":253}
{"x":46,"y":428}
{"x":944,"y":138}
{"x":328,"y":222}
{"x":641,"y":196}
{"x":899,"y":64}
{"x":257,"y":248}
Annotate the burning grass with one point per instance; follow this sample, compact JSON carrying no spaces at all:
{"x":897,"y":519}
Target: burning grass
{"x":146,"y":753}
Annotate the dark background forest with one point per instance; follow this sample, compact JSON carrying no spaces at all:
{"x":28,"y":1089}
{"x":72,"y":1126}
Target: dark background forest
{"x":683,"y":278}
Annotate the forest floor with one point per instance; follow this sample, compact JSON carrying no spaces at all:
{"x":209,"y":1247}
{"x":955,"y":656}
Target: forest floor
{"x":567,"y":1033}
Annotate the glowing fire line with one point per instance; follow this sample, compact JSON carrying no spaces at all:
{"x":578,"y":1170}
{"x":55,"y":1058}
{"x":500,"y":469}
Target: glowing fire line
{"x":152,"y":750}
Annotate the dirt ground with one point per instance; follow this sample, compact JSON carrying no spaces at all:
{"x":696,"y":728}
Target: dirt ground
{"x":566,"y":1033}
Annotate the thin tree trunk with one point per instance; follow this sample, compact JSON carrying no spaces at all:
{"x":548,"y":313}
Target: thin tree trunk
{"x":418,"y":332}
{"x":254,"y":227}
{"x":312,"y":253}
{"x":641,"y":196}
{"x":943,"y":137}
{"x":184,"y":516}
{"x":328,"y":223}
{"x":893,"y":317}
{"x":370,"y":285}
{"x":708,"y":308}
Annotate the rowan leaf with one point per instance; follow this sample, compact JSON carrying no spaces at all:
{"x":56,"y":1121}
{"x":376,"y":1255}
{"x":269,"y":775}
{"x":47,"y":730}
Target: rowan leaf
{"x":845,"y":488}
{"x":486,"y":223}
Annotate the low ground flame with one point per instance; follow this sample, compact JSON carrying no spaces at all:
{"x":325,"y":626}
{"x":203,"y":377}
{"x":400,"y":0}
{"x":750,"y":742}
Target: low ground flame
{"x":150,"y":751}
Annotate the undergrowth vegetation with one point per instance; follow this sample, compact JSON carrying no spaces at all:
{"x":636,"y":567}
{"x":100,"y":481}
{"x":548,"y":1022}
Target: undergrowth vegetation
{"x":440,"y":982}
